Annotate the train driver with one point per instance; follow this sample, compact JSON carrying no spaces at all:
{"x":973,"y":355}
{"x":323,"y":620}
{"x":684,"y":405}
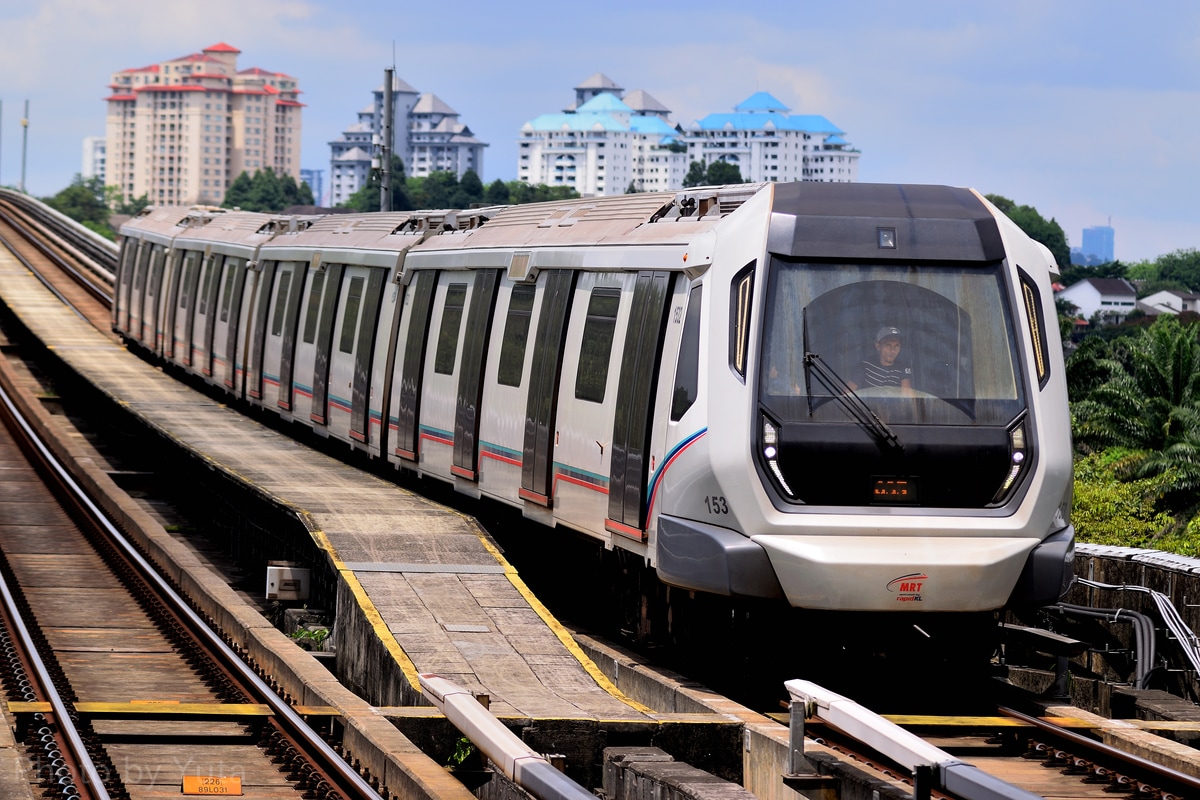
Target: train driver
{"x":887,"y":367}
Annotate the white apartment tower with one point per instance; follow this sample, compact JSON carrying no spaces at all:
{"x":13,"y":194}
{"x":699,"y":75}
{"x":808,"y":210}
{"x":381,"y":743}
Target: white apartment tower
{"x":765,"y":143}
{"x":180,"y":131}
{"x":604,"y":143}
{"x":428,"y":138}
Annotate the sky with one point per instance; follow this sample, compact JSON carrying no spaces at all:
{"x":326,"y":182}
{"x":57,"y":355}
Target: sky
{"x":1088,"y":110}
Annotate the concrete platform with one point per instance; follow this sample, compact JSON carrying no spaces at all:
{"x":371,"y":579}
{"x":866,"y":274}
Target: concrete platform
{"x":420,"y":587}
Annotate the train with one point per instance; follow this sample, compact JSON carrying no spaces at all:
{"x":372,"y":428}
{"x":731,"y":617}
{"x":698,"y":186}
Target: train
{"x":699,"y":379}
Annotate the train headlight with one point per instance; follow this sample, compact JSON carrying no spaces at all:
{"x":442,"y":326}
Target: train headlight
{"x":1018,"y":459}
{"x":770,"y":444}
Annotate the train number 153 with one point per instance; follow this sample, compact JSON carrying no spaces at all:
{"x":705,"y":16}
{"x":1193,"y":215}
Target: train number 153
{"x":716,"y":504}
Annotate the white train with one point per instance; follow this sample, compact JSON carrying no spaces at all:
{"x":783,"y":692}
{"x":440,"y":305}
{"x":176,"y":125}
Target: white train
{"x":679,"y":375}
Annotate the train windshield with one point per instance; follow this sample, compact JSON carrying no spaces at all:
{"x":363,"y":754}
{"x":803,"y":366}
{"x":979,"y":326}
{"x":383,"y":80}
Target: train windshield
{"x":917,"y":345}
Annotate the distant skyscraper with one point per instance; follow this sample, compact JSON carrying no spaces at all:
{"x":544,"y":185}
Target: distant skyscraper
{"x":93,"y":158}
{"x":180,"y":131}
{"x":1097,"y":244}
{"x":314,"y":179}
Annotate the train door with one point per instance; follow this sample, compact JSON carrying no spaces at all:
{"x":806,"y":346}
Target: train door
{"x":350,"y":361}
{"x":129,"y":254}
{"x":133,"y":302}
{"x":319,"y":413}
{"x":206,"y":313}
{"x":504,"y":395}
{"x":144,"y":332}
{"x":256,"y":331}
{"x":415,"y":332}
{"x":304,"y":363}
{"x":587,"y":398}
{"x":632,"y":423}
{"x":154,"y":307}
{"x":280,"y":353}
{"x":185,"y":276}
{"x":537,"y":454}
{"x":440,"y":381}
{"x":467,"y":413}
{"x":229,"y":311}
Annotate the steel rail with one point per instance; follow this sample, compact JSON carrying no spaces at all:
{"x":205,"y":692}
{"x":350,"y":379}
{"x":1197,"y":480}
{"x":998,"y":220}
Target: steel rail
{"x":1136,"y":767}
{"x":87,"y":775}
{"x":314,"y":748}
{"x":98,"y":292}
{"x":91,"y":245}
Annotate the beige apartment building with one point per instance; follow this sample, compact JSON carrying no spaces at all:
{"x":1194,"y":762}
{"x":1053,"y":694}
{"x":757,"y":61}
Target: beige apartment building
{"x":180,"y":131}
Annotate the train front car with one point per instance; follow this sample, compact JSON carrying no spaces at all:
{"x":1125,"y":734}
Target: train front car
{"x":893,"y":432}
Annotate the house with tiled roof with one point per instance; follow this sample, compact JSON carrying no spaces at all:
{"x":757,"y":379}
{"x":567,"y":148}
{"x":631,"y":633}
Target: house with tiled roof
{"x":1108,"y":300}
{"x":182,"y":130}
{"x":1169,"y":301}
{"x":603,"y":143}
{"x":768,"y":143}
{"x":428,"y":138}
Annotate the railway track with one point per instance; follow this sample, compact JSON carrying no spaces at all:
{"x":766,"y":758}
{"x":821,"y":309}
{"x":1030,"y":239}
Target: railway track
{"x":120,"y":689}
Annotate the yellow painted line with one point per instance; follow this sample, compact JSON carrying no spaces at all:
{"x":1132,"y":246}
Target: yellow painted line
{"x":561,"y":632}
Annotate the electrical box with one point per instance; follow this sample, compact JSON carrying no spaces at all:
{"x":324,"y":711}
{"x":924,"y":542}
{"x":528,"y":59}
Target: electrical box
{"x":285,"y":581}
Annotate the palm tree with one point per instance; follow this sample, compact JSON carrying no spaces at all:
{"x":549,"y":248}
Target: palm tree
{"x":1142,"y":393}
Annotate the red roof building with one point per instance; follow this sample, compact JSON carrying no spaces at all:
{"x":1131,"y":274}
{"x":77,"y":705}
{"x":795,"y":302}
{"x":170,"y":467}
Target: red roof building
{"x":182,"y":130}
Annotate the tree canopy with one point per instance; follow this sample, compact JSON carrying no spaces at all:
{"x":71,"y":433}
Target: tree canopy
{"x":266,"y":191}
{"x":84,"y":201}
{"x":446,"y":190}
{"x":1027,"y":218}
{"x":718,"y":173}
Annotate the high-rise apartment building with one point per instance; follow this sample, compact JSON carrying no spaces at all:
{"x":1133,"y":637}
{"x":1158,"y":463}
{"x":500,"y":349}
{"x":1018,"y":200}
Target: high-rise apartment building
{"x":606,"y":143}
{"x":181,"y":130}
{"x":428,"y":137}
{"x":766,"y":143}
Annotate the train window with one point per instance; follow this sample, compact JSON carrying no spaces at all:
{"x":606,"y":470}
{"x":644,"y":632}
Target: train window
{"x":516,"y":334}
{"x":596,"y":347}
{"x":314,"y":307}
{"x":740,"y":299}
{"x":350,"y":315}
{"x":687,"y":369}
{"x":227,"y":293}
{"x":917,"y":344}
{"x":209,"y":267}
{"x":281,"y":303}
{"x":452,"y":312}
{"x":185,"y":285}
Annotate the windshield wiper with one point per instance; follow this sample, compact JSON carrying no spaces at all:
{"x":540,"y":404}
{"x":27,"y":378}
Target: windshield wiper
{"x":848,"y":398}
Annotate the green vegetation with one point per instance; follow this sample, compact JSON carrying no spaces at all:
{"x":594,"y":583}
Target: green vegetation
{"x":90,"y":203}
{"x":266,"y":191}
{"x":446,"y":190}
{"x":718,"y":173}
{"x":1135,"y":413}
{"x":1048,"y":232}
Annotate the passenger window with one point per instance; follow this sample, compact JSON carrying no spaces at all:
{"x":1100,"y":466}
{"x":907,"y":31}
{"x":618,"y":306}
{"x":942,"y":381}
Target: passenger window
{"x":516,"y":335}
{"x":687,"y":369}
{"x":281,"y":298}
{"x":227,"y":294}
{"x":447,"y":347}
{"x":210,"y":275}
{"x":314,"y":308}
{"x":189,"y":265}
{"x":350,"y":315}
{"x":594,"y":351}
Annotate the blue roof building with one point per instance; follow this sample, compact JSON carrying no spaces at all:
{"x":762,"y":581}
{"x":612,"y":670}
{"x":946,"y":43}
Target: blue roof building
{"x":604,"y":143}
{"x":767,"y":143}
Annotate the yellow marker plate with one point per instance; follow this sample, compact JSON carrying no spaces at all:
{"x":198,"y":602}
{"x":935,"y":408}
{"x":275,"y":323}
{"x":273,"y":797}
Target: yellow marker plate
{"x":209,"y":785}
